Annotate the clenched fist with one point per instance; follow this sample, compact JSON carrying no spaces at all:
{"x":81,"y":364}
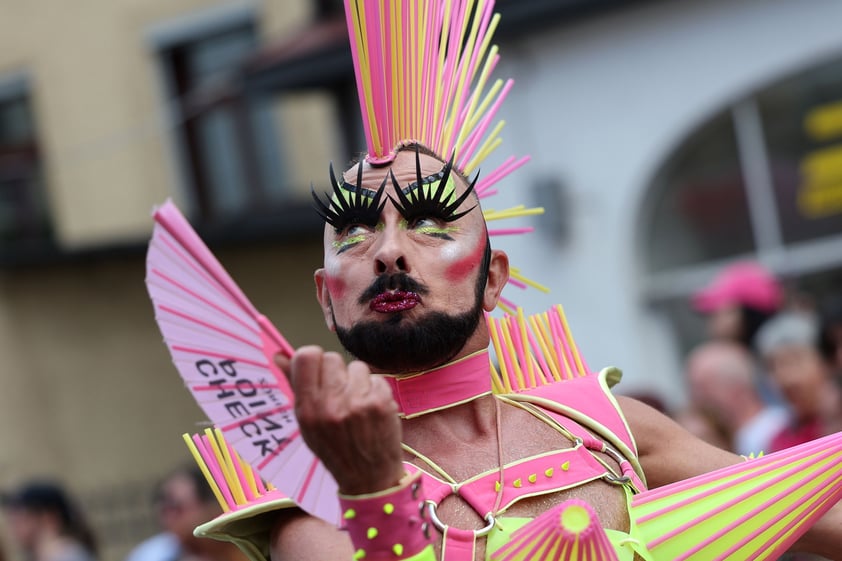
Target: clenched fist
{"x":348,"y":418}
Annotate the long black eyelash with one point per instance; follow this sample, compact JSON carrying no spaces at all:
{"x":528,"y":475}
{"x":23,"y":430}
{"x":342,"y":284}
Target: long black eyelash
{"x":359,"y":208}
{"x":419,"y":204}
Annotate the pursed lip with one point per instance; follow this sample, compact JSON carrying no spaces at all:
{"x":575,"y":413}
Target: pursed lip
{"x":394,"y":301}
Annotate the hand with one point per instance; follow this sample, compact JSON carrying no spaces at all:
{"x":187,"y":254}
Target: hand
{"x":348,"y":418}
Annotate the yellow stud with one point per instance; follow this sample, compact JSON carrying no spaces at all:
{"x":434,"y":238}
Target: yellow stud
{"x":388,"y":508}
{"x":518,"y":483}
{"x":565,"y":466}
{"x":497,"y":486}
{"x":533,"y":478}
{"x":549,"y":472}
{"x":349,"y":514}
{"x":397,"y":549}
{"x":371,"y":533}
{"x":359,"y":554}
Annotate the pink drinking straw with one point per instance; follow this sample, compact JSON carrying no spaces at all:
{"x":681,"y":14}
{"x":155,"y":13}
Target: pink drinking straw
{"x":241,"y":476}
{"x":478,"y":133}
{"x":352,"y":19}
{"x":501,"y":172}
{"x":539,"y":355}
{"x":216,"y":472}
{"x":510,"y":231}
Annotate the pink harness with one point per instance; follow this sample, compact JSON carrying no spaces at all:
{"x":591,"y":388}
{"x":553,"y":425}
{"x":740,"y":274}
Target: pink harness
{"x":542,"y":474}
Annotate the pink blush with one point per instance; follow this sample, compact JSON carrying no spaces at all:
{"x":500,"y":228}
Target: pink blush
{"x":461,"y":268}
{"x":335,"y":286}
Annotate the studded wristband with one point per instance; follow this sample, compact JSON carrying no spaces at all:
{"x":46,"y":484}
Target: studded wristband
{"x":389,"y":525}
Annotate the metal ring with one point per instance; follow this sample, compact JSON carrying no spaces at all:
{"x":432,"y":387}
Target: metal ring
{"x":441,"y":526}
{"x":611,"y":478}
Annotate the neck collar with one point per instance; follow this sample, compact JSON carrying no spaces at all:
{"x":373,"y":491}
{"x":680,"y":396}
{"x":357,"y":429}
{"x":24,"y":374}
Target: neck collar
{"x":453,"y":384}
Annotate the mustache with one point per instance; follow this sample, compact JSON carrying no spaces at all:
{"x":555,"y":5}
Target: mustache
{"x":386,"y":282}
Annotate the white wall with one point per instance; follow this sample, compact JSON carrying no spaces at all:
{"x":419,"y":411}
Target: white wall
{"x":600,"y":104}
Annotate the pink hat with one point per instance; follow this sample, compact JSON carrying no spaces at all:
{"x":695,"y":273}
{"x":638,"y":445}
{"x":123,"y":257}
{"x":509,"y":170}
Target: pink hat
{"x":746,"y":283}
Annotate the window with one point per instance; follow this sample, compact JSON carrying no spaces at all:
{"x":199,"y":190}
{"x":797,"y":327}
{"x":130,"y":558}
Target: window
{"x":761,"y":179}
{"x":802,"y":121}
{"x":24,"y":220}
{"x":231,"y":159}
{"x":700,"y":211}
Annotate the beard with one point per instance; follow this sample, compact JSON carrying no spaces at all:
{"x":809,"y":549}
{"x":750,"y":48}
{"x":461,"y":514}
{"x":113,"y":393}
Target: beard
{"x":399,"y":345}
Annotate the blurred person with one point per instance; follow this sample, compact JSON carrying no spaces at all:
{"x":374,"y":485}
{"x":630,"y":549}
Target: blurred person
{"x":163,"y":546}
{"x":830,"y":335}
{"x":788,"y":345}
{"x":739,"y":300}
{"x":183,"y":501}
{"x":46,"y":525}
{"x":722,"y":382}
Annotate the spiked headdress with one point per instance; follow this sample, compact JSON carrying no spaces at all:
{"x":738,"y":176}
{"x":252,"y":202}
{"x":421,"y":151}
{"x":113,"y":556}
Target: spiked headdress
{"x":423,"y":72}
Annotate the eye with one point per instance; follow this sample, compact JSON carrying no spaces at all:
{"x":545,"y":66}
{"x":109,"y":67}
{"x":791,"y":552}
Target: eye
{"x":430,"y":199}
{"x":354,"y":230}
{"x":434,"y":227}
{"x":350,"y":236}
{"x":350,"y":205}
{"x":425,"y":222}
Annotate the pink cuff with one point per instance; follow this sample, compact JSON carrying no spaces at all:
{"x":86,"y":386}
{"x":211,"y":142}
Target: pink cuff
{"x":388,"y":525}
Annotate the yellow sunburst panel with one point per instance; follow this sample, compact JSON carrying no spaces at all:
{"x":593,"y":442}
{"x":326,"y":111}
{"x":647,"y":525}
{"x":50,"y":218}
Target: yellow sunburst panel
{"x":533,"y":350}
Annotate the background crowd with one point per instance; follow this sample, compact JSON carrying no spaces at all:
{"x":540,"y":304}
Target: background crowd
{"x":769,"y":376}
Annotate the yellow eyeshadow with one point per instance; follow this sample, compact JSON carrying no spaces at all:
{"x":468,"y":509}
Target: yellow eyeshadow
{"x":437,"y":229}
{"x":341,"y":244}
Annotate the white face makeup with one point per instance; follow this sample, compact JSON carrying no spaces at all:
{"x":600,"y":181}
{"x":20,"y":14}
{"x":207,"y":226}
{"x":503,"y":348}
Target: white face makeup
{"x":432,"y":235}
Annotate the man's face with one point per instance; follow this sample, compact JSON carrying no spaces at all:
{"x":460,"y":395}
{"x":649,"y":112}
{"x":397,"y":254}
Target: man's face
{"x":800,"y":374}
{"x":405,"y":293}
{"x":180,"y":509}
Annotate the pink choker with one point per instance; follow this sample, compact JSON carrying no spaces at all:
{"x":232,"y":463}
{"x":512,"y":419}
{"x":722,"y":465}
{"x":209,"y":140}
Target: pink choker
{"x":452,"y":384}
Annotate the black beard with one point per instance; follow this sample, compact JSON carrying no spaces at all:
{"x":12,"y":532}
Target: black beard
{"x":400,"y":345}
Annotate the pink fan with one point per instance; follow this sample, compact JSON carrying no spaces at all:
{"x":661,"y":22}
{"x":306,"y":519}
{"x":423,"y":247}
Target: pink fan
{"x":569,"y":532}
{"x":223,"y":348}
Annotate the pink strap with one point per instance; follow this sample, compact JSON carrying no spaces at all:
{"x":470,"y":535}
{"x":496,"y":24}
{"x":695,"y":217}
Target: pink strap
{"x":443,"y":387}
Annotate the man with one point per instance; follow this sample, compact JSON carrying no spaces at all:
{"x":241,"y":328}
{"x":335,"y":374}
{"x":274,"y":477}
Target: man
{"x":348,"y":416}
{"x":789,"y":346}
{"x":182,"y":501}
{"x":429,"y":463}
{"x":721,"y":379}
{"x":738,"y":301}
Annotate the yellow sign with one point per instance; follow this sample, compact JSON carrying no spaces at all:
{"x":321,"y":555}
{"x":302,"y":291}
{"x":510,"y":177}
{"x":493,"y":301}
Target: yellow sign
{"x":820,"y":193}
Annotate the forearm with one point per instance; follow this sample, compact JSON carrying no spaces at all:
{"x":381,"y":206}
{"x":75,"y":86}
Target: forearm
{"x":388,"y":525}
{"x":825,"y":536}
{"x":297,"y":536}
{"x":304,"y":538}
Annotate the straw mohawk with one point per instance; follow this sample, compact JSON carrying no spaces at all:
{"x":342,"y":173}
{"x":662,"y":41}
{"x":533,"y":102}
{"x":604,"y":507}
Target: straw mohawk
{"x":422,"y":70}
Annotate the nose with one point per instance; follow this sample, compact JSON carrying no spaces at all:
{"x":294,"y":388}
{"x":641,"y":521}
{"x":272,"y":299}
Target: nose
{"x":390,"y":256}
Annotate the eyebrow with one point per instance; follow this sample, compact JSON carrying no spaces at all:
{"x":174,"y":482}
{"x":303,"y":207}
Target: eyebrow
{"x":438,"y":176}
{"x":349,"y":203}
{"x":357,"y":189}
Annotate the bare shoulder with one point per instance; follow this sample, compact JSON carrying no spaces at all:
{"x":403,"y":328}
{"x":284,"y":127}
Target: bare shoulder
{"x":296,"y":535}
{"x":667,"y":452}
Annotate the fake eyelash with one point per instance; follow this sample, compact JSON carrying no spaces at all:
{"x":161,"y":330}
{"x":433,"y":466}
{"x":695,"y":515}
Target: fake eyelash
{"x":424,"y":203}
{"x":350,"y":204}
